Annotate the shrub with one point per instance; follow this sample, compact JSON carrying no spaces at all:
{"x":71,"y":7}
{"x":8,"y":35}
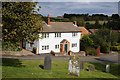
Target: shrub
{"x":115,"y":48}
{"x":19,"y":49}
{"x":105,"y":47}
{"x":91,"y":51}
{"x":10,"y":46}
{"x":86,"y":42}
{"x":117,"y":44}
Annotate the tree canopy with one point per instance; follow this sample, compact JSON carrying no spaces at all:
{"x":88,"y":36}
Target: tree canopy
{"x":20,"y":21}
{"x":86,"y":42}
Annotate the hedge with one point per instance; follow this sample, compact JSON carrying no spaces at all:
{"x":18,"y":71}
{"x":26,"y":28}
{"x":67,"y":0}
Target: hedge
{"x":115,"y":48}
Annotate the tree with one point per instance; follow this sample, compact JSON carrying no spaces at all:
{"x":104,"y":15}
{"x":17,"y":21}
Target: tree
{"x":73,"y":19}
{"x":104,"y":38}
{"x":20,"y":21}
{"x":86,"y":42}
{"x":115,"y":16}
{"x":80,"y":21}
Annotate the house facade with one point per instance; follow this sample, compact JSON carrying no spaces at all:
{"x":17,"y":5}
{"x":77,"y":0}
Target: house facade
{"x":57,"y":37}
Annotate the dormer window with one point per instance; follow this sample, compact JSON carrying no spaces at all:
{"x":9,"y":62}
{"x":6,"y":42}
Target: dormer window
{"x":57,"y":34}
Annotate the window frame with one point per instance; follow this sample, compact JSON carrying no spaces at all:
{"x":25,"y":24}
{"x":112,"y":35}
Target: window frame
{"x":57,"y":46}
{"x":46,"y":35}
{"x":74,"y":34}
{"x":74,"y":45}
{"x":57,"y":35}
{"x":45,"y":47}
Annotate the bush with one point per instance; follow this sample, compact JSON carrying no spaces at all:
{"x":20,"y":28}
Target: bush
{"x":10,"y":46}
{"x":105,"y":47}
{"x":86,"y":42}
{"x":91,"y":51}
{"x":117,"y":44}
{"x":19,"y":49}
{"x":115,"y":48}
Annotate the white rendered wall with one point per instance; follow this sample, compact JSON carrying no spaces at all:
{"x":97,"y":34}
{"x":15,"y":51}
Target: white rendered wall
{"x":30,"y":48}
{"x":52,"y":41}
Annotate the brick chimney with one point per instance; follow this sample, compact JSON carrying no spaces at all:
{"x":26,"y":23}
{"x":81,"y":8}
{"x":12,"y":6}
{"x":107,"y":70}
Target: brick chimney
{"x":48,"y":21}
{"x":75,"y":23}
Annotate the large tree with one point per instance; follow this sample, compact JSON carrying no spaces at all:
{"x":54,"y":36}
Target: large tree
{"x":20,"y":21}
{"x":104,"y":38}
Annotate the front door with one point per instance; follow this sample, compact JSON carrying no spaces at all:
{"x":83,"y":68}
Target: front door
{"x":66,"y":48}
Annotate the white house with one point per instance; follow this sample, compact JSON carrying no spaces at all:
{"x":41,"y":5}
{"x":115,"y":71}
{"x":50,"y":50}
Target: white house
{"x":58,"y":37}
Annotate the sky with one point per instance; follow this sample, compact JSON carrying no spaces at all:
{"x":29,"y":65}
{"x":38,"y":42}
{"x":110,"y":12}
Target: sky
{"x":77,"y":0}
{"x":59,"y":8}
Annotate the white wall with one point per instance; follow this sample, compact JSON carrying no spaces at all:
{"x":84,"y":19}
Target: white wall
{"x":52,"y":41}
{"x":30,"y":48}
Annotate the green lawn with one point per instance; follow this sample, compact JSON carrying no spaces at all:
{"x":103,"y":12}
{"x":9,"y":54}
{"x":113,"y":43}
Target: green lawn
{"x":93,"y":22}
{"x":14,"y":68}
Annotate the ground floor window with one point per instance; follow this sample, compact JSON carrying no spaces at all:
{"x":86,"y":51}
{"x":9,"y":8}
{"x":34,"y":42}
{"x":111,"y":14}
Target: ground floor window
{"x":74,"y":44}
{"x":46,"y":47}
{"x":57,"y":46}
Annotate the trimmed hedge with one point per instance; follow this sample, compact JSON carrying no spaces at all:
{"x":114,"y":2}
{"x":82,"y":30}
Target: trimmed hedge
{"x":115,"y":48}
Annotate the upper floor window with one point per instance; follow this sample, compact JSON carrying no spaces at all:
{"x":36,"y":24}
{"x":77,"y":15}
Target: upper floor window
{"x":57,"y":46}
{"x":46,"y":35}
{"x":57,"y":34}
{"x":74,"y":34}
{"x":74,"y":45}
{"x":45,"y":47}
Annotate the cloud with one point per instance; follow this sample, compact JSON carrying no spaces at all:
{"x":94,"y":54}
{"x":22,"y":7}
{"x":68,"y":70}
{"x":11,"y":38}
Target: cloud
{"x":59,"y":8}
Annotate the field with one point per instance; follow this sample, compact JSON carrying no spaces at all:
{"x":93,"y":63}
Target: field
{"x":93,"y":22}
{"x":14,"y":68}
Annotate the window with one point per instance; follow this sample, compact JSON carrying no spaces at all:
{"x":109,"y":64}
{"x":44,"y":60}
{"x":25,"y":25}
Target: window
{"x":57,"y":34}
{"x":57,"y":46}
{"x":74,"y":34}
{"x":31,"y":44}
{"x":45,"y":47}
{"x":46,"y":35}
{"x":74,"y":45}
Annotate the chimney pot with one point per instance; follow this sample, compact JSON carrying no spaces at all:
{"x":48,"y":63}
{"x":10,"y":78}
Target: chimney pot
{"x":48,"y":21}
{"x":75,"y":23}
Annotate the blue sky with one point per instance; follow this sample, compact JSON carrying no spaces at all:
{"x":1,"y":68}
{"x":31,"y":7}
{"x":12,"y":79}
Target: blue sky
{"x":59,"y":8}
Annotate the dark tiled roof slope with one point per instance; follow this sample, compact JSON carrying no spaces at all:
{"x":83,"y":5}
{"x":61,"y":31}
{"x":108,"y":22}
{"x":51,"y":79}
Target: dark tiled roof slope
{"x":60,"y":27}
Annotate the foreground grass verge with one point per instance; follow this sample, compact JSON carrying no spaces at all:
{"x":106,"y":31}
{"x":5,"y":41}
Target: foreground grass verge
{"x":15,"y":68}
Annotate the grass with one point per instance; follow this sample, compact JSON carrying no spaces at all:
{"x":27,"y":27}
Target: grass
{"x":15,"y":68}
{"x":93,"y":22}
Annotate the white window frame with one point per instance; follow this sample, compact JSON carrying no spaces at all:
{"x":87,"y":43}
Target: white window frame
{"x":57,"y":34}
{"x":74,"y":34}
{"x":74,"y":45}
{"x":57,"y":46}
{"x":45,"y":47}
{"x":46,"y":35}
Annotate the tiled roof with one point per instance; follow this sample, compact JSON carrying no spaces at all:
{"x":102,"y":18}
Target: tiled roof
{"x":84,"y":30}
{"x":93,"y":30}
{"x":60,"y":27}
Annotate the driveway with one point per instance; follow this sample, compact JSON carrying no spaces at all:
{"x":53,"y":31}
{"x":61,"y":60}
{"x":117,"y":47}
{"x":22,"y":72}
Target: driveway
{"x":105,"y":58}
